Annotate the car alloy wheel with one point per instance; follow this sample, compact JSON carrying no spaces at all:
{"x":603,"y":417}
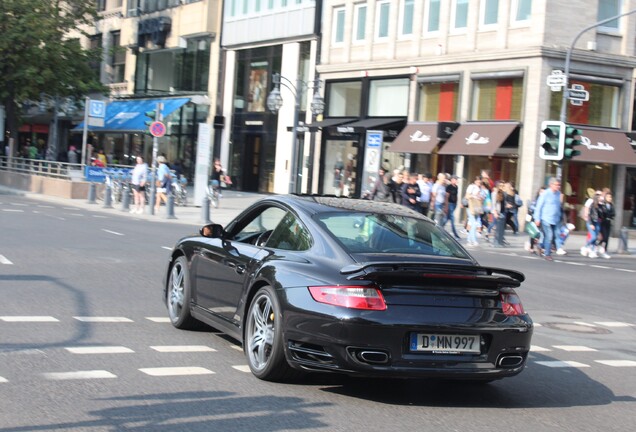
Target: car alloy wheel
{"x":178,"y":298}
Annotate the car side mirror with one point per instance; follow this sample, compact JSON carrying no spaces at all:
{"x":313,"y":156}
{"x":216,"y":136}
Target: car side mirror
{"x":212,"y":231}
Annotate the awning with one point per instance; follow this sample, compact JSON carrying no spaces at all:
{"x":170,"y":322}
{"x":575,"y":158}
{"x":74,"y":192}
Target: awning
{"x":605,"y":146}
{"x":129,"y":115}
{"x":478,"y":138}
{"x":416,"y":137}
{"x":316,"y":126}
{"x":382,"y":123}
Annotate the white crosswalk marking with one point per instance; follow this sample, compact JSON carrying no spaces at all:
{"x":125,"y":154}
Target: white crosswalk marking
{"x":182,"y":348}
{"x":3,"y":380}
{"x":159,"y":319}
{"x":617,"y":363}
{"x":5,"y":260}
{"x":613,"y":324}
{"x":102,"y":319}
{"x":573,"y":348}
{"x":176,"y":371}
{"x":535,"y":348}
{"x":242,"y":368}
{"x":562,"y":364}
{"x":13,"y":210}
{"x":92,"y":374}
{"x":112,"y":232}
{"x":28,"y":319}
{"x":99,"y":350}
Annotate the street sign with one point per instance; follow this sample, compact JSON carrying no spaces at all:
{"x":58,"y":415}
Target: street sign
{"x":97,"y":108}
{"x":577,"y":94}
{"x":157,"y":129}
{"x":556,"y":80}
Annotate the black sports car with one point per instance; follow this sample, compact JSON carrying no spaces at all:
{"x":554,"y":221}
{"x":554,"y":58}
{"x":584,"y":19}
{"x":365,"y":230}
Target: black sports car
{"x":351,"y":286}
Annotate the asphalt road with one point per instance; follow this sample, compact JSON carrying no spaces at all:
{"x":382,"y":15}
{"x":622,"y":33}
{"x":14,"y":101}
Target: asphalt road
{"x":85,"y":346}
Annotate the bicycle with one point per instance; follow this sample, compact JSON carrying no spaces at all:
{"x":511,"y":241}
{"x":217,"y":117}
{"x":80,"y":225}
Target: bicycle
{"x":214,"y":192}
{"x":179,"y":191}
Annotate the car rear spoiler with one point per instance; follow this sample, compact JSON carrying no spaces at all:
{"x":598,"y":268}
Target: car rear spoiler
{"x":460,"y":274}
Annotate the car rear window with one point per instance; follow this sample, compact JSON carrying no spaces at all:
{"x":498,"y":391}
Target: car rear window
{"x":382,"y":233}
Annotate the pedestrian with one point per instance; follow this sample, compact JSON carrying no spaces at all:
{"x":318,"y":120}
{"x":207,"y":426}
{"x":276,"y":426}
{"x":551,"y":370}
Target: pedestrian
{"x":411,"y":192}
{"x":438,"y":199}
{"x":534,"y":242}
{"x":425,"y":183}
{"x":395,"y":186}
{"x":218,"y":175}
{"x":102,"y":158}
{"x":475,"y":209}
{"x":499,"y":213}
{"x":547,"y":215}
{"x":72,"y":155}
{"x":487,"y":219}
{"x":607,"y":212}
{"x":511,"y":207}
{"x":380,"y":190}
{"x":139,"y":179}
{"x":452,"y":192}
{"x":163,"y":183}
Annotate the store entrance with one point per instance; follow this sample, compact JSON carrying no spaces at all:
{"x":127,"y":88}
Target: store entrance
{"x":252,"y":162}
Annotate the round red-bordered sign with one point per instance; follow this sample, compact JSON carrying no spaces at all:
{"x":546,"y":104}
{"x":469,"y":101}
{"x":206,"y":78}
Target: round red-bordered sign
{"x":157,"y":129}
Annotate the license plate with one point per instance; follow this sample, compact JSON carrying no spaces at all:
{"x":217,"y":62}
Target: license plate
{"x":445,"y":343}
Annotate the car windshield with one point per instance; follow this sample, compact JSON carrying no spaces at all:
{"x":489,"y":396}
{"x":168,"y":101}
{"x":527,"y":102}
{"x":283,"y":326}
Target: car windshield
{"x":382,"y":233}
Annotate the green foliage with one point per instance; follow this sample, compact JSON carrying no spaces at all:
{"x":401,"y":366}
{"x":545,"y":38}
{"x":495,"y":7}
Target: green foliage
{"x":40,"y":50}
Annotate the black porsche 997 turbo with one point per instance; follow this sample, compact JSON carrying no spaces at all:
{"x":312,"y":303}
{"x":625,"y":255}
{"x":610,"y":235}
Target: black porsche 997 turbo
{"x":350,"y":286}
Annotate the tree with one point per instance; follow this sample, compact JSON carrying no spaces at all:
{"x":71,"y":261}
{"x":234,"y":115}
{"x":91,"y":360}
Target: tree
{"x":40,"y":52}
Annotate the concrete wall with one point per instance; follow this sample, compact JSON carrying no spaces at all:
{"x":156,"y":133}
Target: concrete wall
{"x":45,"y":185}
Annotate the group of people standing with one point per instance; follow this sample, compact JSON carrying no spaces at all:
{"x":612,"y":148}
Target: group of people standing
{"x":598,"y":212}
{"x":139,"y":181}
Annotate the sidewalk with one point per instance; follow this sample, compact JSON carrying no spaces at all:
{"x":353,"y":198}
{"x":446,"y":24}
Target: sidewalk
{"x":233,"y":202}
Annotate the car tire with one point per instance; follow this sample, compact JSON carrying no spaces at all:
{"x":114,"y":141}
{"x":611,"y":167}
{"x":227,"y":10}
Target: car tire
{"x":263,"y":341}
{"x":178,"y":295}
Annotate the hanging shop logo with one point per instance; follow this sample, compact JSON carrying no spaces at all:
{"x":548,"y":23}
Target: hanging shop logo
{"x":474,"y":138}
{"x":585,"y":141}
{"x":420,"y":136}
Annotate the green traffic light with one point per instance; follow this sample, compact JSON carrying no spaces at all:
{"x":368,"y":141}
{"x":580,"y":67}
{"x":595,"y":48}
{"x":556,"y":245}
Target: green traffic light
{"x":571,"y":141}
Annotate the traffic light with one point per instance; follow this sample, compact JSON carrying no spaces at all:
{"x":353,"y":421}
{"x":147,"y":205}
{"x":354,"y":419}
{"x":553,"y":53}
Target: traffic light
{"x":572,"y":139}
{"x":552,"y":140}
{"x":152,"y":117}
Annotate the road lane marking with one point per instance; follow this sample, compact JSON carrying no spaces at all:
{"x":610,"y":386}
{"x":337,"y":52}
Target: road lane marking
{"x":574,"y":348}
{"x":237,"y":347}
{"x":75,"y":214}
{"x":182,"y":348}
{"x":19,"y":204}
{"x":535,"y":348}
{"x":601,"y":267}
{"x":112,"y":232}
{"x":574,"y":263}
{"x":5,"y":260}
{"x":613,"y":324}
{"x":100,"y":216}
{"x":617,"y":363}
{"x":159,"y":319}
{"x":91,"y":374}
{"x":242,"y":368}
{"x":13,"y":210}
{"x":584,"y":324}
{"x":176,"y":371}
{"x":99,"y":350}
{"x":17,"y":318}
{"x":3,"y":380}
{"x":626,"y":270}
{"x":45,"y":206}
{"x":102,"y":319}
{"x":562,"y":364}
{"x":166,"y":247}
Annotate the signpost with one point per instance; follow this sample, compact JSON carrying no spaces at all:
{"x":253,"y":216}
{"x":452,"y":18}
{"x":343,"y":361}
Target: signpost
{"x":577,"y":94}
{"x":94,"y":114}
{"x":556,"y":80}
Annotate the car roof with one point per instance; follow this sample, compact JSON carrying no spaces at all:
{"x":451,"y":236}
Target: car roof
{"x":329,"y":203}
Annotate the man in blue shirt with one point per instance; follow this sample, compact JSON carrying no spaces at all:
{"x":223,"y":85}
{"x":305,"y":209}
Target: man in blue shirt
{"x":547,"y":215}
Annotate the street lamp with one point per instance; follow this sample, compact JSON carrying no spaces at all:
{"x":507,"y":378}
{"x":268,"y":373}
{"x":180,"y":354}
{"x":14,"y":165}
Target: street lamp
{"x":275,"y":102}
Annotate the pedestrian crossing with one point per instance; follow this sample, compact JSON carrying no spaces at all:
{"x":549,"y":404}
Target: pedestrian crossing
{"x":546,"y":355}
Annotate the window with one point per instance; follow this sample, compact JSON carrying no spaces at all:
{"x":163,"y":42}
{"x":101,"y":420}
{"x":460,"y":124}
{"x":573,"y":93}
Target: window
{"x":344,"y":98}
{"x":497,"y":99}
{"x":389,"y":97}
{"x":489,"y":12}
{"x":264,"y":221}
{"x":360,"y":21}
{"x":460,"y":14}
{"x":439,"y":101}
{"x":432,"y":15}
{"x":407,"y":17}
{"x":95,"y":47}
{"x":602,"y":112}
{"x":118,"y":58}
{"x":338,"y":25}
{"x":290,"y":234}
{"x":608,"y":9}
{"x":521,"y":10}
{"x":382,"y":19}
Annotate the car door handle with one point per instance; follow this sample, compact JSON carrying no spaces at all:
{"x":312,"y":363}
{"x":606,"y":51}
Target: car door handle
{"x":238,"y":268}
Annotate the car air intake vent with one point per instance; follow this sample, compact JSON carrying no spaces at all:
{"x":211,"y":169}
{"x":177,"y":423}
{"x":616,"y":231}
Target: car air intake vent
{"x":309,"y":353}
{"x":369,"y":356}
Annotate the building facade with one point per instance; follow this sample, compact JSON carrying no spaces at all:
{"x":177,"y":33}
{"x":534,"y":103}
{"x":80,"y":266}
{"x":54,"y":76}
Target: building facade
{"x":469,"y":77}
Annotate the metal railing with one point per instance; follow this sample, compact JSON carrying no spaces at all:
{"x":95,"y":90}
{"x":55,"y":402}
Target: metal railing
{"x":46,"y":168}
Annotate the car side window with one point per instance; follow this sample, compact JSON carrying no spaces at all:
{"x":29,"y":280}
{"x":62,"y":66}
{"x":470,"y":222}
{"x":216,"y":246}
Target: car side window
{"x":290,"y":234}
{"x":261,"y":223}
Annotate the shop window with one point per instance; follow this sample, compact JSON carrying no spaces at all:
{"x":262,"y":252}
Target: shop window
{"x":601,"y":110}
{"x":344,"y":99}
{"x":438,"y":101}
{"x":389,"y":97}
{"x":497,"y":99}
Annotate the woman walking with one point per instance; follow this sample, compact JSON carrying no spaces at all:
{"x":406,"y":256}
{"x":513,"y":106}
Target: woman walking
{"x":499,"y":214}
{"x":607,"y":212}
{"x":139,"y":177}
{"x":475,"y":210}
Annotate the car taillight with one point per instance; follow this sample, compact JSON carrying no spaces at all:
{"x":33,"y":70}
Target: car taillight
{"x":511,"y":304}
{"x":354,"y":297}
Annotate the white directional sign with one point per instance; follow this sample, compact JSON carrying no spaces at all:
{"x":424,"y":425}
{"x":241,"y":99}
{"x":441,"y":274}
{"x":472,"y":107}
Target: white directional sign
{"x":556,"y":80}
{"x":577,"y":94}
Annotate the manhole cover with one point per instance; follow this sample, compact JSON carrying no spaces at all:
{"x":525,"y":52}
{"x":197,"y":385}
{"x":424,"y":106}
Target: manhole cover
{"x":576,"y":328}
